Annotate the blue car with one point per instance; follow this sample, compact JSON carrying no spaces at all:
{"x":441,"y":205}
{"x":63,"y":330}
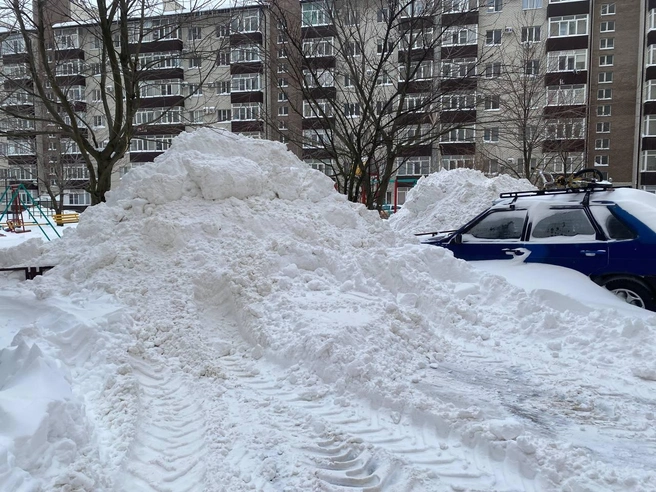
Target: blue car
{"x":606,"y":233}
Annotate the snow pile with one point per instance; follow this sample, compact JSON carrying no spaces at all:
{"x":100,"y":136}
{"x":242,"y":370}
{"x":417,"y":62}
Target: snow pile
{"x":41,"y":425}
{"x":447,"y":200}
{"x":229,"y":249}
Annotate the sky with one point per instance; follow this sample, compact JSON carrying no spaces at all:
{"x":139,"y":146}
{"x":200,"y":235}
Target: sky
{"x":228,"y":322}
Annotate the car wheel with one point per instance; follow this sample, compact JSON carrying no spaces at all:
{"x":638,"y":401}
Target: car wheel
{"x":632,"y":291}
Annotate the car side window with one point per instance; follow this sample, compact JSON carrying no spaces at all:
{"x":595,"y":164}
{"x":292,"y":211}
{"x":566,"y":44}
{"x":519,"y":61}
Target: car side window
{"x":565,"y":223}
{"x":501,"y":225}
{"x":613,"y":227}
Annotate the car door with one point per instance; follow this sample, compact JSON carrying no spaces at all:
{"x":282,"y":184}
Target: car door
{"x":492,"y":237}
{"x":566,"y":236}
{"x":631,"y":245}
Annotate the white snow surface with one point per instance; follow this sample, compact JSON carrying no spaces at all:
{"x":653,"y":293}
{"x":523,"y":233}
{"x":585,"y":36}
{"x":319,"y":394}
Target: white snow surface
{"x":446,"y":200}
{"x":228,"y":322}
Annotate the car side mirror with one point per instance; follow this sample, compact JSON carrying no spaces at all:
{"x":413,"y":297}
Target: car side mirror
{"x":457,"y":239}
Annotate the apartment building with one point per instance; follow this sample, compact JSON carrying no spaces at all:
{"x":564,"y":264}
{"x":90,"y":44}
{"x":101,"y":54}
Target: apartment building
{"x":523,"y":85}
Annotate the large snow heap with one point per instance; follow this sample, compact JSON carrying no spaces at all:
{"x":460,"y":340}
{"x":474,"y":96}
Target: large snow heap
{"x":230,"y":245}
{"x":448,"y":199}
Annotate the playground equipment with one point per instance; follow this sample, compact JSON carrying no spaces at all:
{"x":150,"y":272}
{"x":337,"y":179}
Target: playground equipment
{"x":16,"y":206}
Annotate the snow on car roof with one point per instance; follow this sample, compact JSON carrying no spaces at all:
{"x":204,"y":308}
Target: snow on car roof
{"x":641,"y":204}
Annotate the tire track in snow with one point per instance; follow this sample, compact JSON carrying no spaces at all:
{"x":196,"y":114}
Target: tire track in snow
{"x":361,"y":448}
{"x":168,"y":449}
{"x":597,"y":408}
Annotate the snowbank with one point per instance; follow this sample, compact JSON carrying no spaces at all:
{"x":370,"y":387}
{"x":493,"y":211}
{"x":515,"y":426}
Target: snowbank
{"x":227,"y":248}
{"x":448,"y":199}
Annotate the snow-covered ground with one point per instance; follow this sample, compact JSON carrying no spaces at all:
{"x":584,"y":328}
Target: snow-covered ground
{"x":228,"y":322}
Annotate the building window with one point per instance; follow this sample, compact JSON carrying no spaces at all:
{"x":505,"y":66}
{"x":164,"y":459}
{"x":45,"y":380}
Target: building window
{"x":382,"y":15}
{"x":457,"y":161}
{"x":491,"y":134}
{"x":649,"y":129}
{"x":315,"y":14}
{"x":382,"y":79}
{"x":493,"y":37}
{"x":247,"y":53}
{"x":567,"y":61}
{"x":607,"y":8}
{"x":565,"y":95}
{"x":607,"y":26}
{"x":283,"y":68}
{"x":651,"y":54}
{"x":246,"y":111}
{"x":282,"y":125}
{"x":458,"y":135}
{"x":224,"y":115}
{"x":604,"y":110}
{"x":78,"y":198}
{"x":606,"y":60}
{"x":353,"y":48}
{"x":606,"y":43}
{"x":532,"y":67}
{"x":413,"y":166}
{"x":247,"y":21}
{"x":531,"y":34}
{"x":459,"y":67}
{"x":493,"y":70}
{"x":319,"y":78}
{"x":605,"y":77}
{"x":224,"y":87}
{"x":195,"y":62}
{"x":568,"y":25}
{"x":492,"y":102}
{"x":565,"y":129}
{"x":602,"y":144}
{"x":318,"y":47}
{"x":283,"y":82}
{"x":649,"y":161}
{"x":316,"y":138}
{"x":458,"y":101}
{"x":650,"y":90}
{"x":193,"y":33}
{"x":246,"y":82}
{"x":351,"y":17}
{"x":283,"y":110}
{"x":601,"y":160}
{"x":603,"y":127}
{"x":282,"y":96}
{"x":605,"y":94}
{"x":223,"y":58}
{"x":531,"y":4}
{"x":384,"y":47}
{"x":494,"y":5}
{"x":196,"y":116}
{"x":98,"y":121}
{"x":319,"y":165}
{"x":460,"y":35}
{"x":195,"y":90}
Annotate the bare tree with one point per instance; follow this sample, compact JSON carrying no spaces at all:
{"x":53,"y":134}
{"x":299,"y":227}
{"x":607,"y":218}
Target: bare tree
{"x":362,"y":79}
{"x":77,"y":71}
{"x":541,"y":105}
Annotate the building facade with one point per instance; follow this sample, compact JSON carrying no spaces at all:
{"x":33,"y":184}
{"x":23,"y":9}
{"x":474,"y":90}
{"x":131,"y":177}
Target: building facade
{"x":515,"y":86}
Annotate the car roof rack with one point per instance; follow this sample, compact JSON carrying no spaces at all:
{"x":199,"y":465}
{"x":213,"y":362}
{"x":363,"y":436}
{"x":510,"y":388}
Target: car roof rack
{"x":557,"y":191}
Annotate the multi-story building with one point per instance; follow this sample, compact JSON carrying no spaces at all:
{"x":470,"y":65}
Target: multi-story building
{"x":523,"y":84}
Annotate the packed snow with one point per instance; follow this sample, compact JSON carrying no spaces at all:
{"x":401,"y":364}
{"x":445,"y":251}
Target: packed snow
{"x":228,"y":322}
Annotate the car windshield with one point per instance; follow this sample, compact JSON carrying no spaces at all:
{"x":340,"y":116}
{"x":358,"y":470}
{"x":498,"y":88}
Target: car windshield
{"x":498,"y":225}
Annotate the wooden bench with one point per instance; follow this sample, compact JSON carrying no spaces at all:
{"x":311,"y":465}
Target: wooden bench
{"x":30,"y":272}
{"x":61,"y":219}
